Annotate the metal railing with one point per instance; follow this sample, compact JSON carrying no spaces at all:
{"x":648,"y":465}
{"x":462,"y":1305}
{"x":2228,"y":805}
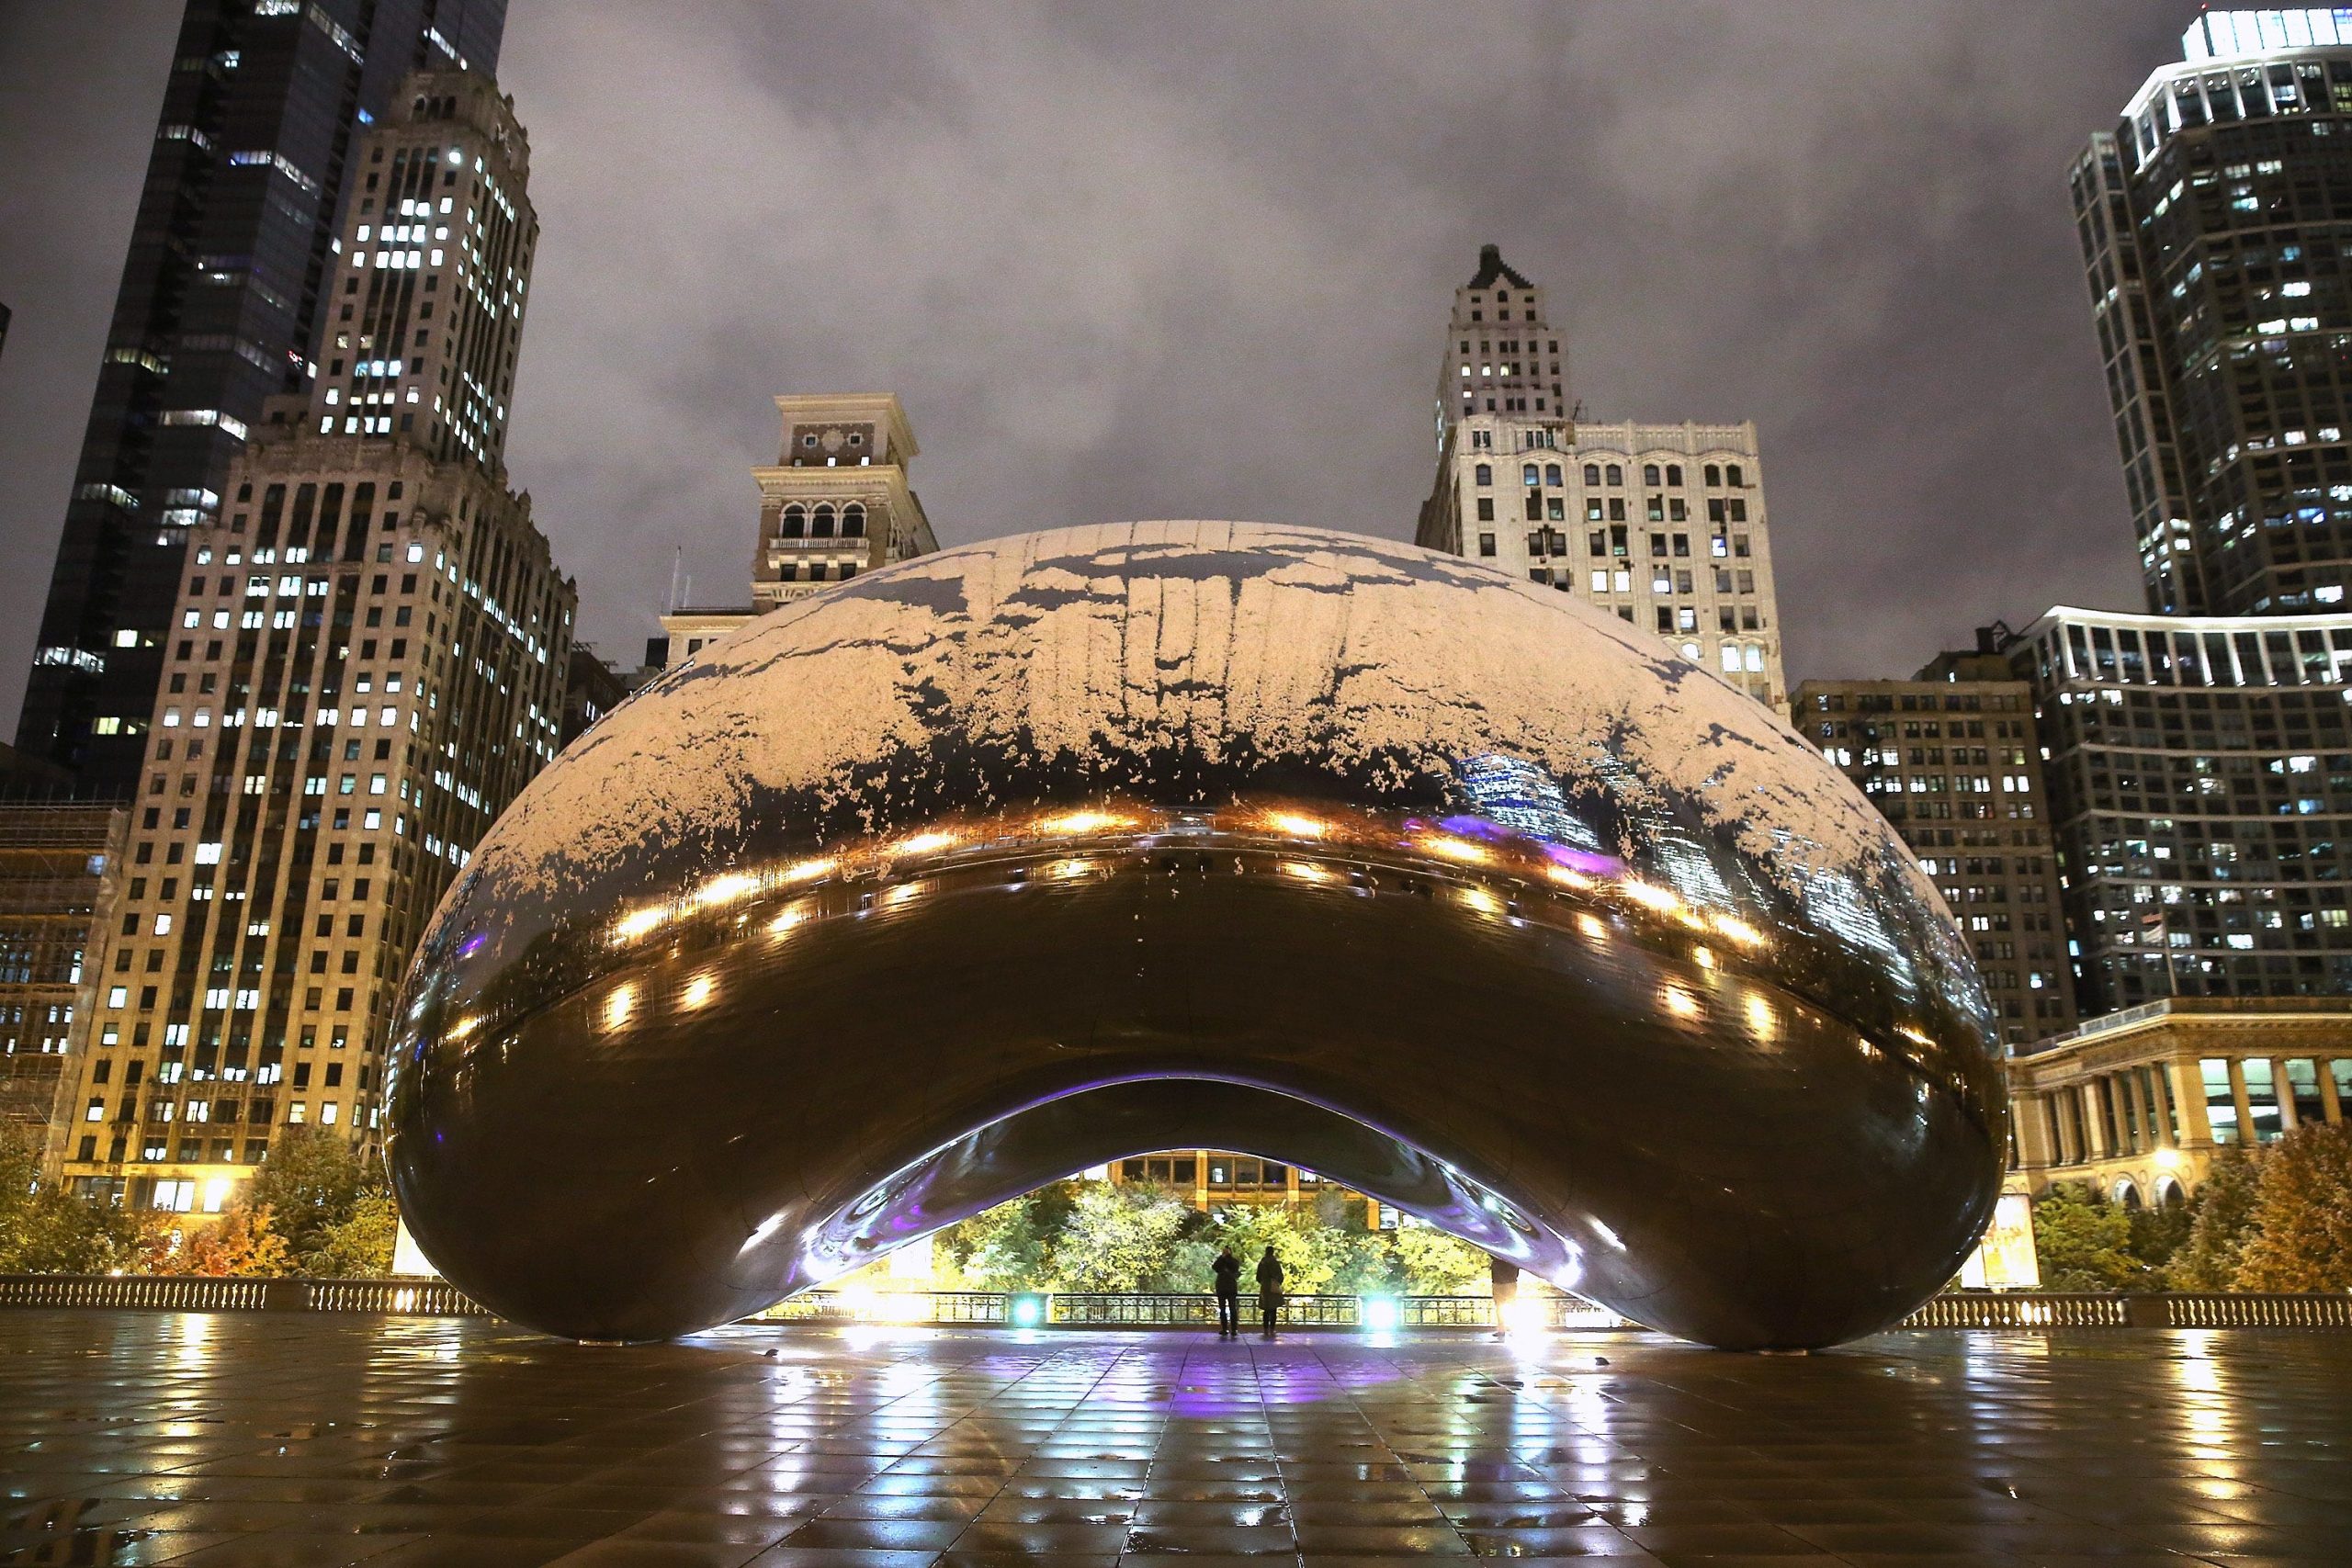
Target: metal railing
{"x":437,"y":1298}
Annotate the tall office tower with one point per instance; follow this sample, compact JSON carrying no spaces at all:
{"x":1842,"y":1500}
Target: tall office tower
{"x":1949,"y":759}
{"x":2212,"y":222}
{"x":223,"y":298}
{"x":1661,"y":525}
{"x":834,"y":503}
{"x":2200,"y":771}
{"x":365,"y":664}
{"x":59,"y":875}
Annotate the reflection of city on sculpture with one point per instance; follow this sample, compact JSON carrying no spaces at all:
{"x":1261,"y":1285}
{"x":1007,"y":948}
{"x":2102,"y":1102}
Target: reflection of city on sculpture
{"x":1018,"y":858}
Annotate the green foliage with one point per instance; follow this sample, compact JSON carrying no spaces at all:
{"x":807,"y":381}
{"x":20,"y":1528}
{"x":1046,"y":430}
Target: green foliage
{"x":1009,"y":1247}
{"x":48,"y":1229}
{"x":1117,"y":1239}
{"x":313,"y":1182}
{"x":2221,"y":1223}
{"x":2300,"y":1238}
{"x":2084,"y":1242}
{"x":2157,"y":1235}
{"x":360,"y":1246}
{"x":1436,"y":1264}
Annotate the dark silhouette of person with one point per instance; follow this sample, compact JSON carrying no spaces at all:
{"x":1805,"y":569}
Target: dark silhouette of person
{"x":1227,"y":1270}
{"x":1269,"y":1290}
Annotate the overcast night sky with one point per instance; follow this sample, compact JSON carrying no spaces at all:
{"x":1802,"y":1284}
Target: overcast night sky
{"x":1193,"y":261}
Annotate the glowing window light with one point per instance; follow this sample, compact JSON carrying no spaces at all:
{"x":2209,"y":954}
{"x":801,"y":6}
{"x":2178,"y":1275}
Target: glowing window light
{"x":807,"y":870}
{"x":1380,"y":1314}
{"x":639,"y":922}
{"x":1679,"y":1002}
{"x":698,"y":991}
{"x":1914,"y":1035}
{"x":1299,"y":827}
{"x":618,"y":1006}
{"x":463,"y":1027}
{"x":1454,"y":849}
{"x":727,"y":889}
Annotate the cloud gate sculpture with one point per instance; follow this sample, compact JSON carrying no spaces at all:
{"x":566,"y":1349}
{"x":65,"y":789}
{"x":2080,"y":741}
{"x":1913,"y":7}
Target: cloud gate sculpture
{"x":1015,"y":859}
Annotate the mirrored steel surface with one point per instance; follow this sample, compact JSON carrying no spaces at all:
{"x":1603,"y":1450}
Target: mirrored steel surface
{"x":1019,"y":858}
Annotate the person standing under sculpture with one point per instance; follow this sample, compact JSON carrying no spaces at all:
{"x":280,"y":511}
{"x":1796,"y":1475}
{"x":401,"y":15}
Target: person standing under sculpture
{"x":1227,"y":1270}
{"x":1269,"y":1290}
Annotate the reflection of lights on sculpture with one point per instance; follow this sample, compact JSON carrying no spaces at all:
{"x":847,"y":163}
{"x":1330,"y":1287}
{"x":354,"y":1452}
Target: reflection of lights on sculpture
{"x":1679,"y":1002}
{"x":619,"y":1005}
{"x":1298,"y":827}
{"x":807,"y":870}
{"x":1913,"y":1035}
{"x":1604,"y":1233}
{"x":697,"y":992}
{"x":1381,"y":1315}
{"x":1761,"y":1021}
{"x":464,"y":1027}
{"x":1067,"y":869}
{"x":1567,"y":877}
{"x":1306,"y":870}
{"x":1703,"y":956}
{"x":1591,"y":926}
{"x":1072,"y":823}
{"x":638,"y":922}
{"x":1454,"y":849}
{"x":1650,"y":896}
{"x":901,"y":893}
{"x":1478,"y":898}
{"x":1740,"y":930}
{"x":725,"y":889}
{"x":786,"y":919}
{"x":927,"y":843}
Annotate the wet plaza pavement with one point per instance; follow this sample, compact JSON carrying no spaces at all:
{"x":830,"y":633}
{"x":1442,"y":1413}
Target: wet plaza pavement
{"x":294,"y":1439}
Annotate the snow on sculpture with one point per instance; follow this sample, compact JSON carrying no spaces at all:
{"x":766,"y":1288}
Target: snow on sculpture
{"x":1015,"y":859}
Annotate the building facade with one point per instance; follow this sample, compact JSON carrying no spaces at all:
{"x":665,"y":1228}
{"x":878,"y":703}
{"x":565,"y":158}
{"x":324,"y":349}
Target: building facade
{"x":2199,"y":770}
{"x":1663,"y":525}
{"x":366,"y":662}
{"x":834,"y":503}
{"x":224,"y":296}
{"x":2209,"y":221}
{"x":1950,"y":760}
{"x":60,"y":873}
{"x":2137,"y":1104}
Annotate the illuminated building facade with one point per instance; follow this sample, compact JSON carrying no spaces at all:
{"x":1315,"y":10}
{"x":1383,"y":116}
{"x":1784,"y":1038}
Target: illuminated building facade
{"x":1949,"y":758}
{"x":2137,"y":1104}
{"x":1663,"y":525}
{"x":2210,"y":223}
{"x":224,"y":293}
{"x":366,"y":662}
{"x":834,"y":503}
{"x":2200,"y":771}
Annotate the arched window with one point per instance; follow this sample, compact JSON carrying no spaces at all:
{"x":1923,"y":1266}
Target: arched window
{"x":1552,"y":474}
{"x":1732,"y":475}
{"x":853,"y":521}
{"x":1674,"y":473}
{"x":1649,"y":473}
{"x":796,"y":523}
{"x":1486,"y":473}
{"x":822,"y":526}
{"x":1529,"y":473}
{"x":1714,"y":475}
{"x":1616,"y":475}
{"x":1592,"y":473}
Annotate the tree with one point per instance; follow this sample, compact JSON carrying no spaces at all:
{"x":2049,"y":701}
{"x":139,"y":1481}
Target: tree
{"x":311,"y":1182}
{"x":1009,"y":1247}
{"x":2156,"y":1235}
{"x":242,"y":1242}
{"x":1117,"y":1237}
{"x":2221,"y":1222}
{"x":46,"y":1228}
{"x":2084,"y":1241}
{"x":1436,"y":1264}
{"x":361,"y":1247}
{"x":2302,"y":1234}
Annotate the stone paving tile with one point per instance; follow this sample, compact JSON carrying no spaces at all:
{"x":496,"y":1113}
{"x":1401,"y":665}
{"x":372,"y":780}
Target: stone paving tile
{"x":249,"y":1441}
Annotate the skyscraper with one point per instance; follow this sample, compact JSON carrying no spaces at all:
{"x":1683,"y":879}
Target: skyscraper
{"x":364,"y":663}
{"x":220,"y":304}
{"x":1661,"y":525}
{"x":2209,"y":221}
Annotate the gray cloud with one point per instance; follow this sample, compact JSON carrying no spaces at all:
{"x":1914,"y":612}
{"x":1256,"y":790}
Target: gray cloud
{"x":1142,"y":260}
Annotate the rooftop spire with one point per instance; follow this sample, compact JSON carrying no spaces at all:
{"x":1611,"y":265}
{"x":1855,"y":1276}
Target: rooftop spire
{"x":1491,"y":268}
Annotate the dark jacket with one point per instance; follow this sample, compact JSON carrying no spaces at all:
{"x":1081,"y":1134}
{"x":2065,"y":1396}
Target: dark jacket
{"x":1270,"y":1276}
{"x":1227,"y":1270}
